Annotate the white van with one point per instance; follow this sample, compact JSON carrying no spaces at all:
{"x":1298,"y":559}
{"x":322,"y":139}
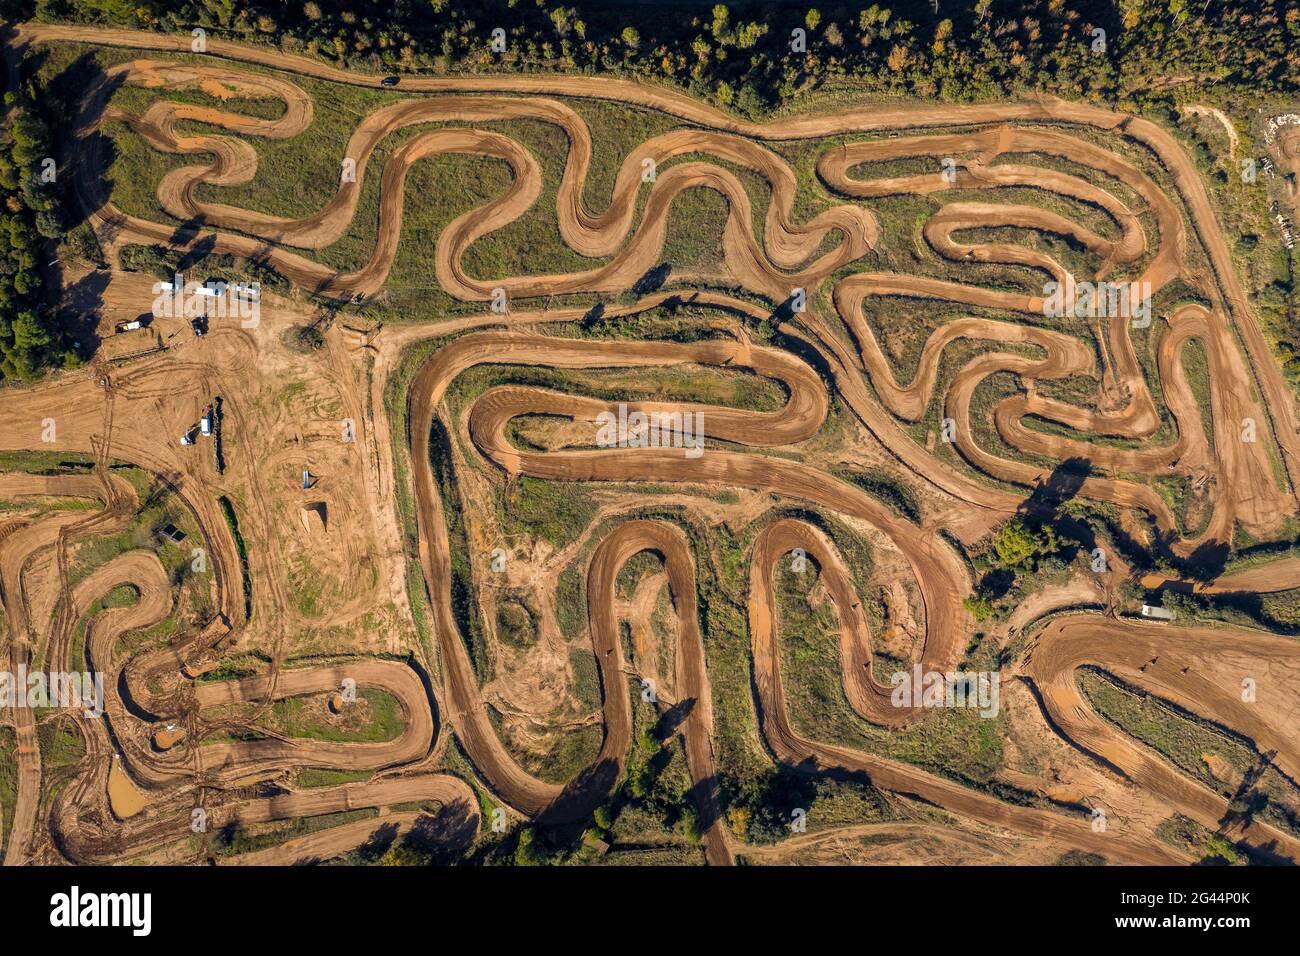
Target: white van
{"x":1157,"y":613}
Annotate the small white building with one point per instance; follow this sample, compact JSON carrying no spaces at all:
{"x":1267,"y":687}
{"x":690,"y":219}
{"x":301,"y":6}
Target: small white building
{"x":1157,"y":613}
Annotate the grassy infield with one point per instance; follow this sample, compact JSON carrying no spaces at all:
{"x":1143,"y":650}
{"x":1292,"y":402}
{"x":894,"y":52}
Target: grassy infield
{"x":305,"y":171}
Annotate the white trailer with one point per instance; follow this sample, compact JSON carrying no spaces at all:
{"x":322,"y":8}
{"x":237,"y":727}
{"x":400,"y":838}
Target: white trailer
{"x":1157,"y":613}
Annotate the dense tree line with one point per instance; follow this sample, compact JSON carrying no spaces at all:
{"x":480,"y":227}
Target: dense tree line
{"x":29,"y":218}
{"x":745,"y":55}
{"x":1275,"y":302}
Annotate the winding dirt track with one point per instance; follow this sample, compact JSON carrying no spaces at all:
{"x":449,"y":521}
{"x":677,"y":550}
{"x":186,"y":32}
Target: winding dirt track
{"x":777,"y":540}
{"x":218,"y":766}
{"x":22,"y":545}
{"x":1145,"y":241}
{"x":1183,"y":672}
{"x":1247,"y":489}
{"x":1280,"y":401}
{"x":1282,"y":574}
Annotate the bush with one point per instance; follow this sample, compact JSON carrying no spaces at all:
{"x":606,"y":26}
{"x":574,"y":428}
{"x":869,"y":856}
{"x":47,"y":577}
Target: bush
{"x":980,"y":607}
{"x":1020,"y":545}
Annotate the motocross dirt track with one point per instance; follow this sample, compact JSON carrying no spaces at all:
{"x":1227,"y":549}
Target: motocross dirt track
{"x":1251,"y":484}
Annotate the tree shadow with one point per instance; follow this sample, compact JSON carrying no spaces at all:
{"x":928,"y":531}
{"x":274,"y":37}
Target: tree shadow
{"x":87,"y":154}
{"x":653,"y":280}
{"x":996,"y":583}
{"x":379,"y":842}
{"x":81,"y":310}
{"x":1207,"y":562}
{"x":445,"y":835}
{"x":784,"y":312}
{"x":672,"y":718}
{"x":1246,"y":800}
{"x":199,"y":249}
{"x":1062,"y":485}
{"x":187,"y":232}
{"x":581,"y":795}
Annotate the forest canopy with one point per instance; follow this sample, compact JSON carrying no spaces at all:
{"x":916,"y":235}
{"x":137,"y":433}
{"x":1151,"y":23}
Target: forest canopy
{"x":746,"y":56}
